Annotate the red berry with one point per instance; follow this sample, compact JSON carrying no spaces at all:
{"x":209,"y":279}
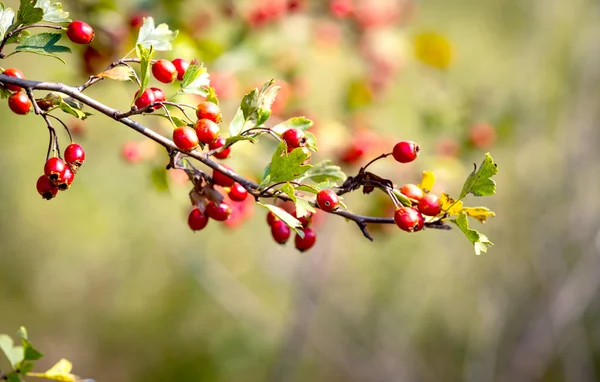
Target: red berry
{"x":341,"y":8}
{"x":19,"y":103}
{"x":220,"y":142}
{"x":304,"y":220}
{"x":271,"y":218}
{"x":405,"y":151}
{"x":181,"y":66}
{"x":219,"y":212}
{"x":307,"y":242}
{"x":221,"y":179}
{"x":237,"y":193}
{"x":145,"y":99}
{"x":412,"y":191}
{"x":137,"y":19}
{"x":46,"y":188}
{"x":74,"y":155}
{"x":80,"y":32}
{"x":159,"y":96}
{"x":209,"y":110}
{"x":207,"y":130}
{"x":430,"y":205}
{"x":185,"y":138}
{"x":55,"y":169}
{"x":482,"y":135}
{"x":328,"y":200}
{"x":408,"y":219}
{"x":66,"y":180}
{"x":294,"y":138}
{"x":13,"y":72}
{"x":280,"y":231}
{"x":164,"y":71}
{"x":197,"y":220}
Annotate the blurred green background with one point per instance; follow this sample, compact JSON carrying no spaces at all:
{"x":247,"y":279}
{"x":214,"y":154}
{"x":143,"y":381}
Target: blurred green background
{"x":109,"y":276}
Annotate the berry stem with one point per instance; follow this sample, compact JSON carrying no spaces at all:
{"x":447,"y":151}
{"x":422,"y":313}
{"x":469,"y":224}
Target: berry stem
{"x":63,"y":124}
{"x":374,"y":160}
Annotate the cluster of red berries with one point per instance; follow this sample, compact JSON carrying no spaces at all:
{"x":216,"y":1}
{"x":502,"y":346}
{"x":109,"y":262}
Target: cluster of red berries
{"x":281,"y":232}
{"x":205,"y":131}
{"x":18,"y":102}
{"x":59,"y":173}
{"x":166,"y":72}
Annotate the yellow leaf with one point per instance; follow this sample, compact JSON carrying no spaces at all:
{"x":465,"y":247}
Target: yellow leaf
{"x":433,"y":49}
{"x":427,"y":181}
{"x":451,"y":206}
{"x":479,"y":213}
{"x":118,"y":73}
{"x":61,"y":371}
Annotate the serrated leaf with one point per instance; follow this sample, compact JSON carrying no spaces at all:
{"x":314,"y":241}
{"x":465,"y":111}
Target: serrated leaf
{"x":28,"y":14}
{"x":237,"y":123}
{"x":14,"y":354}
{"x":29,"y":352}
{"x":287,"y":166}
{"x":480,"y":182}
{"x":196,"y":80}
{"x":406,"y":202}
{"x":427,"y":181}
{"x":159,"y":179}
{"x":325,"y":171}
{"x":303,"y":207}
{"x":159,"y":37}
{"x":285,"y":217}
{"x":266,"y":99}
{"x":312,"y":189}
{"x":212,"y":95}
{"x":288,"y":189}
{"x":43,"y":44}
{"x":450,"y":206}
{"x":249,"y":104}
{"x":301,"y":123}
{"x":231,"y":140}
{"x":61,"y":371}
{"x":145,"y":55}
{"x":479,"y":240}
{"x":479,"y":213}
{"x":118,"y":73}
{"x":7,"y":15}
{"x":311,"y":141}
{"x":53,"y":13}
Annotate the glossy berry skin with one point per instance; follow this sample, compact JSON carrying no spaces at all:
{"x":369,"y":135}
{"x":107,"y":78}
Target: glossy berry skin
{"x":207,"y":130}
{"x":430,"y":205}
{"x":412,"y":191}
{"x":159,"y":96}
{"x":328,"y":200}
{"x":185,"y":138}
{"x":19,"y":103}
{"x":217,"y":144}
{"x":221,"y":179}
{"x":197,"y":220}
{"x":181,"y":66}
{"x":80,"y":32}
{"x":209,"y":110}
{"x":145,"y":99}
{"x":54,"y":169}
{"x":307,"y":242}
{"x":237,"y":193}
{"x":66,"y":179}
{"x":164,"y":71}
{"x":294,"y":138}
{"x":271,"y":218}
{"x":13,"y":72}
{"x":46,"y":188}
{"x":408,"y":219}
{"x":280,"y":231}
{"x":405,"y":151}
{"x":219,"y":212}
{"x":74,"y":155}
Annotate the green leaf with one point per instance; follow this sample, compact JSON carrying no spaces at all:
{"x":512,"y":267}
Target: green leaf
{"x":406,"y":202}
{"x":145,"y":55}
{"x":237,"y":123}
{"x":159,"y":37}
{"x":325,"y":171}
{"x":303,"y":207}
{"x":212,"y":96}
{"x":288,"y":189}
{"x":53,"y":13}
{"x":159,"y":179}
{"x":14,"y":354}
{"x":311,"y":141}
{"x":5,"y":93}
{"x":285,"y":217}
{"x":7,"y":15}
{"x":266,"y":99}
{"x":29,"y":352}
{"x":43,"y":44}
{"x":307,"y":188}
{"x":479,"y":240}
{"x":28,"y":14}
{"x":13,"y":377}
{"x":266,"y":176}
{"x":480,"y":182}
{"x":231,"y":140}
{"x":301,"y":123}
{"x":196,"y":80}
{"x":249,"y":104}
{"x":68,"y":105}
{"x":287,"y":166}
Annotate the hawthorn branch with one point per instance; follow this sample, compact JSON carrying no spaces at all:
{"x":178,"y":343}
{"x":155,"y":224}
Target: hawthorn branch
{"x":168,"y":144}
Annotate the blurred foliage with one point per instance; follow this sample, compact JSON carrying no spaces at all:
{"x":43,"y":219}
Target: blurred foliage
{"x":109,"y":277}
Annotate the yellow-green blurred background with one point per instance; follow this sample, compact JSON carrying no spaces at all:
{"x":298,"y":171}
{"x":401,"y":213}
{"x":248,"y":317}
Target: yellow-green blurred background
{"x":109,"y":276}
